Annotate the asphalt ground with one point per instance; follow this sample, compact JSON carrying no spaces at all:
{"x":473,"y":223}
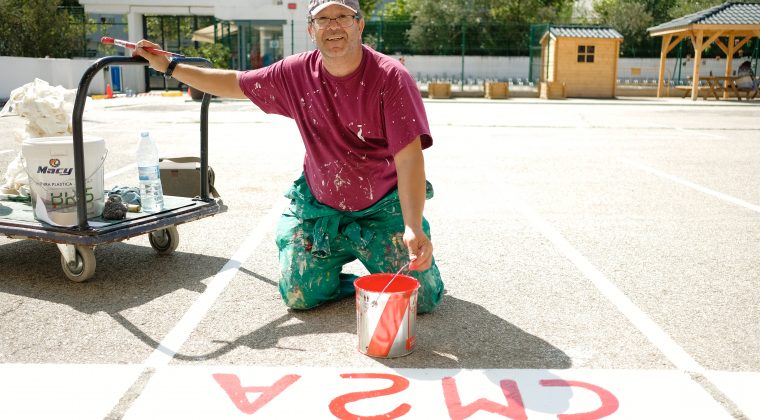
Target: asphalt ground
{"x":599,"y":256}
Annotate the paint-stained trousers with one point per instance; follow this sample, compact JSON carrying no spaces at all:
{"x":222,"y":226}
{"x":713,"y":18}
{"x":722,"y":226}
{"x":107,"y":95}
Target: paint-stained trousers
{"x":315,"y":241}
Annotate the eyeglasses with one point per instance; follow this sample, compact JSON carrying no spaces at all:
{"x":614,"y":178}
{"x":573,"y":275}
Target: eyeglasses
{"x":345,"y":21}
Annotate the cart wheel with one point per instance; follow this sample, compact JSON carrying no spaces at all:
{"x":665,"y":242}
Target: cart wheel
{"x":83,"y":267}
{"x":164,"y":241}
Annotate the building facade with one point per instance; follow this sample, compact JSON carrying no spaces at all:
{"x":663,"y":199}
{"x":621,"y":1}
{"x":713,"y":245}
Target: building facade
{"x":257,"y":32}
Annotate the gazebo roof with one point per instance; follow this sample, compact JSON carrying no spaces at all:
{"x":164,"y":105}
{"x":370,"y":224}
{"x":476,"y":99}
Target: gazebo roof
{"x":729,"y":13}
{"x":584,"y":32}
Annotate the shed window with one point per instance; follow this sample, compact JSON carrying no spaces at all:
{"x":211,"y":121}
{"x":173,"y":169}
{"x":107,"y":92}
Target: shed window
{"x":585,"y":53}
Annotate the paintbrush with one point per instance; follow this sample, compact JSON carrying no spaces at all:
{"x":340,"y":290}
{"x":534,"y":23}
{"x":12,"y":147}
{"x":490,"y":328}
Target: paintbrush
{"x":107,"y":40}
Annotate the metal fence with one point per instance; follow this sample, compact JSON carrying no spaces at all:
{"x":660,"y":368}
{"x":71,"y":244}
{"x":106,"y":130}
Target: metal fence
{"x":486,"y":38}
{"x":483,"y":39}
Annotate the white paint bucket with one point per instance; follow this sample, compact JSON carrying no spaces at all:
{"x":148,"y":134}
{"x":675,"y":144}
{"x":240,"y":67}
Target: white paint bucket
{"x":386,"y":314}
{"x":49,"y":163}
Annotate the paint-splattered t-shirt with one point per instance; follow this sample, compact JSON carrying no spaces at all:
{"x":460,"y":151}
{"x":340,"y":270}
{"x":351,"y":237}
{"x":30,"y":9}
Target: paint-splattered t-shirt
{"x":351,"y":126}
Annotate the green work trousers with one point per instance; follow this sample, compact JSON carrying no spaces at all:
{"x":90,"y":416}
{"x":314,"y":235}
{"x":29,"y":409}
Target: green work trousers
{"x":315,"y":241}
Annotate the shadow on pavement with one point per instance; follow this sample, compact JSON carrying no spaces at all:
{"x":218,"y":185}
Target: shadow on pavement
{"x":458,"y":335}
{"x":464,"y":335}
{"x":126,"y":276}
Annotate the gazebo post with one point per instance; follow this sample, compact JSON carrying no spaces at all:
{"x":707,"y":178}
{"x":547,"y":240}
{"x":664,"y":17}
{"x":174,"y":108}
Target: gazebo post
{"x":729,"y":62}
{"x":663,"y":59}
{"x":615,"y":70}
{"x":698,"y":39}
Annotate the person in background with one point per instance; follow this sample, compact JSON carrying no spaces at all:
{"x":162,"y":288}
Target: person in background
{"x":363,"y":188}
{"x":745,"y":79}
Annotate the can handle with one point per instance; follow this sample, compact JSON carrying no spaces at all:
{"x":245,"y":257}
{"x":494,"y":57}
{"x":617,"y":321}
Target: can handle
{"x":403,"y":267}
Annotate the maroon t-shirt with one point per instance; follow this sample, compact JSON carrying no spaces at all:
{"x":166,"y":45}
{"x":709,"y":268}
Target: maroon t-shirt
{"x":351,"y":126}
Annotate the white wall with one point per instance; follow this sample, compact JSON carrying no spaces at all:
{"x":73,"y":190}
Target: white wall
{"x":649,"y":67}
{"x":19,"y":71}
{"x":441,"y":67}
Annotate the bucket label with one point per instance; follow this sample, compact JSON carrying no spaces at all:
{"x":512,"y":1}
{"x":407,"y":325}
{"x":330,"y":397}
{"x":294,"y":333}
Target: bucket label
{"x":54,"y":168}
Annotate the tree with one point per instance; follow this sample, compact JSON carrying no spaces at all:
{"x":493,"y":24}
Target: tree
{"x":368,"y":7}
{"x":532,"y":11}
{"x":219,"y":55}
{"x":438,"y":25}
{"x":397,"y":10}
{"x":490,"y":26}
{"x":629,"y":17}
{"x":660,"y":9}
{"x":685,"y":7}
{"x":39,"y":28}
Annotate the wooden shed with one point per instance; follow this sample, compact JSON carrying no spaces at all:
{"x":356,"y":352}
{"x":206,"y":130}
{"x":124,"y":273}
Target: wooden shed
{"x":579,"y":61}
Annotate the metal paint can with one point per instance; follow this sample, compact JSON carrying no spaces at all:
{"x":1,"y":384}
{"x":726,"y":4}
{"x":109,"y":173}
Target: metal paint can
{"x":385,"y":320}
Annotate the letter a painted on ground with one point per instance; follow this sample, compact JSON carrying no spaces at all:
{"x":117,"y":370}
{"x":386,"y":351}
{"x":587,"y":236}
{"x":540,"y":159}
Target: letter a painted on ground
{"x":610,"y":404}
{"x":513,"y":410}
{"x":237,"y":393}
{"x":338,"y":405}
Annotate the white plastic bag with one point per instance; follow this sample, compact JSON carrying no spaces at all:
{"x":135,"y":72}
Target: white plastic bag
{"x":47,"y":112}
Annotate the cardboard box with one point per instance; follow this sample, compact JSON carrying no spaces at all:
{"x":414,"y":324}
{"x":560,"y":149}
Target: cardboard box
{"x":181,"y":177}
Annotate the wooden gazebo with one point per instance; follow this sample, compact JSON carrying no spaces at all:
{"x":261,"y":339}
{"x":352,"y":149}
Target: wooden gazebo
{"x":730,"y":26}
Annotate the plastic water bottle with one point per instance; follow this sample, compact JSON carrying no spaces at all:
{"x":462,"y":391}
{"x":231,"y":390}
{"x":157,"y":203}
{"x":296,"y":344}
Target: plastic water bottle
{"x":151,"y":193}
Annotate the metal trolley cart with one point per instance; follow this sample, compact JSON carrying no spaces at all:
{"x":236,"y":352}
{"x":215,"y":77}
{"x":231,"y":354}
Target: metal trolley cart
{"x":77,"y":243}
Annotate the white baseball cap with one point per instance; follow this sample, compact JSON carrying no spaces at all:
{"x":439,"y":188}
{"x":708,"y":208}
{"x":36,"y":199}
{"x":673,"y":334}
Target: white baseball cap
{"x":316,"y":6}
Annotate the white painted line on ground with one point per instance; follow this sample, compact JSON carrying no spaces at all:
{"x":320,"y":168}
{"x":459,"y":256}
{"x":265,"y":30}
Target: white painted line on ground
{"x":697,"y":187}
{"x":131,"y":167}
{"x":180,"y":333}
{"x":2,"y":152}
{"x":741,"y":387}
{"x":638,"y":318}
{"x":701,"y":133}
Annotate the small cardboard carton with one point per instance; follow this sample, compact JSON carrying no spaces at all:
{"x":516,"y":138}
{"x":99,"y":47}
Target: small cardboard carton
{"x":181,"y":177}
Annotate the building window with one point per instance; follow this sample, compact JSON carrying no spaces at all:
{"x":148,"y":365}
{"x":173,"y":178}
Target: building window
{"x":585,"y":53}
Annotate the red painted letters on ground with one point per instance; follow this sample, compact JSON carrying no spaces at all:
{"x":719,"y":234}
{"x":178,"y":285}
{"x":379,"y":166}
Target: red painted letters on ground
{"x":513,"y":410}
{"x":514,"y":407}
{"x":609,"y":402}
{"x":338,"y":405}
{"x":237,"y":393}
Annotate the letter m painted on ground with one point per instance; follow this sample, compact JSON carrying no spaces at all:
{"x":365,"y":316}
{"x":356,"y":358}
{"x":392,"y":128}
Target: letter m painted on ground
{"x":513,"y":410}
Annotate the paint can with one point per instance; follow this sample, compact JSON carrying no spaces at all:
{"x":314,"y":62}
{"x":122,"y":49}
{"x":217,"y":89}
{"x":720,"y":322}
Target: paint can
{"x":49,"y":163}
{"x":386,"y":314}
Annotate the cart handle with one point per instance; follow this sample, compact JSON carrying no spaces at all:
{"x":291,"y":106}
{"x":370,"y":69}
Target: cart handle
{"x":76,"y":122}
